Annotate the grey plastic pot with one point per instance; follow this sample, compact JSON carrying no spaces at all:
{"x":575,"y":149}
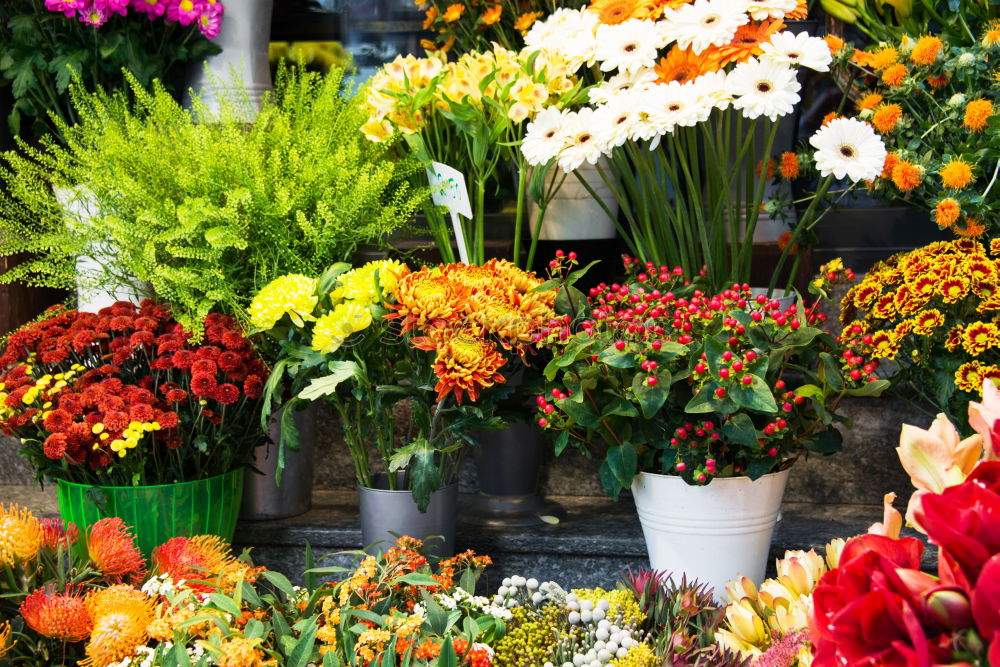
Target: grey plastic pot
{"x":386,"y":514}
{"x":263,"y":499}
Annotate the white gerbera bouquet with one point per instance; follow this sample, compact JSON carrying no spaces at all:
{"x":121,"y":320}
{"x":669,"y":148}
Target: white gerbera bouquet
{"x":686,"y":105}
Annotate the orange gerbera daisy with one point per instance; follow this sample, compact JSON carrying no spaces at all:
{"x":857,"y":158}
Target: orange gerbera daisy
{"x":430,"y":17}
{"x":946,"y":212}
{"x":526,"y":20}
{"x":61,"y":616}
{"x":454,"y":12}
{"x":800,"y":12}
{"x":927,"y":50}
{"x":977,"y":114}
{"x":613,"y":12}
{"x":21,"y":535}
{"x":906,"y":175}
{"x":869,"y":101}
{"x":467,"y":364}
{"x":746,"y":42}
{"x":886,"y":118}
{"x":121,"y":615}
{"x":112,"y":548}
{"x":829,"y":118}
{"x":956,"y":174}
{"x":789,"y":166}
{"x":834,"y":43}
{"x":492,"y":15}
{"x":895,"y":75}
{"x":682,"y":65}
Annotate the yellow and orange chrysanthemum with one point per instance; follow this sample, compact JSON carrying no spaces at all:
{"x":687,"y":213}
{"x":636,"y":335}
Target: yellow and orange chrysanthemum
{"x":466,"y":364}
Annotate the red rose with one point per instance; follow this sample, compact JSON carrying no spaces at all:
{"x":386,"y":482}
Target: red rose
{"x":55,"y":446}
{"x":227,"y":394}
{"x":204,"y":366}
{"x":203,"y":385}
{"x":58,"y":421}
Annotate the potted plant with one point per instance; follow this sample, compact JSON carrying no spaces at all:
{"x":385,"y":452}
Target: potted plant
{"x":700,"y":403}
{"x":132,"y":417}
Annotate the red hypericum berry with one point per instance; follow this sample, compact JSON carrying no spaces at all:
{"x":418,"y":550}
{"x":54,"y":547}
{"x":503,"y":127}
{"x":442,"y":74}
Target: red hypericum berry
{"x":553,"y":264}
{"x":674,"y":441}
{"x":572,"y":255}
{"x":751,"y":355}
{"x":773,"y":451}
{"x":724,"y":373}
{"x":540,"y":401}
{"x":780,"y":384}
{"x":737,"y":365}
{"x":782,"y":424}
{"x":684,"y":339}
{"x":795,"y":324}
{"x":702,"y":477}
{"x":708,"y":426}
{"x":757,"y":316}
{"x":720,"y":392}
{"x":867,"y":339}
{"x":657,"y":344}
{"x":543,"y":422}
{"x":727,"y":355}
{"x":787,"y":407}
{"x":549,"y":408}
{"x":620,"y":345}
{"x":761,"y":299}
{"x":652,"y":381}
{"x":855,"y":374}
{"x":559,"y":253}
{"x":700,"y":432}
{"x":681,"y":433}
{"x":747,"y":380}
{"x":700,"y":367}
{"x":681,"y":466}
{"x":798,"y":400}
{"x":869,"y":369}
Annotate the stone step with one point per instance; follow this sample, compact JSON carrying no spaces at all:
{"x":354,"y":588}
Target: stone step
{"x":596,"y":542}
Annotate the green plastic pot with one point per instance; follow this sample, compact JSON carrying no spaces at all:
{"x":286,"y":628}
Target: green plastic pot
{"x":157,"y":513}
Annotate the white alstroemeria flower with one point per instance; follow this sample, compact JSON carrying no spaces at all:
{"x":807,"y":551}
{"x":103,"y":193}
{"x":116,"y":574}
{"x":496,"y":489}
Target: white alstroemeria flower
{"x":848,"y":147}
{"x":800,"y":49}
{"x":568,"y":32}
{"x":630,"y":46}
{"x":762,"y":88}
{"x":704,"y":23}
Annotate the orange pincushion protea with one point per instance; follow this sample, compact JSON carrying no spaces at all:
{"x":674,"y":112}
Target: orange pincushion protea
{"x":194,"y":560}
{"x":58,"y":533}
{"x":121,"y":615}
{"x":21,"y":535}
{"x":466,"y":364}
{"x":5,"y":644}
{"x":112,"y":548}
{"x":63,"y":616}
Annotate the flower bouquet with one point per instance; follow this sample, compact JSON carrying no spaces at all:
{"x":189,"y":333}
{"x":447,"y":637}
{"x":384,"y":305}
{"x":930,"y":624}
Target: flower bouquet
{"x":686,"y":98}
{"x":121,"y":407}
{"x":690,"y":388}
{"x":932,"y":100}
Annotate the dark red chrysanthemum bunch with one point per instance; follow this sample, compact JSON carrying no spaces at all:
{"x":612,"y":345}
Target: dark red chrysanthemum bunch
{"x":125,"y":391}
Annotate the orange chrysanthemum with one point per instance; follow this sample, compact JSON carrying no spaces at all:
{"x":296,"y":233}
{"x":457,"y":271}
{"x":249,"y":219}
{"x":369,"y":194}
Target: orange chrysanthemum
{"x":789,"y":167}
{"x":61,"y":616}
{"x":979,"y":337}
{"x":121,"y":615}
{"x":869,"y":101}
{"x":834,"y":43}
{"x":112,"y":548}
{"x":906,"y":175}
{"x":977,"y":114}
{"x":195,"y":560}
{"x":995,"y":247}
{"x":21,"y":535}
{"x":946,"y":212}
{"x":884,"y":58}
{"x":492,"y":15}
{"x":746,"y":42}
{"x":969,"y":377}
{"x":682,"y":65}
{"x":613,"y":12}
{"x":937,"y":81}
{"x":927,"y":50}
{"x":886,"y":118}
{"x":885,"y":344}
{"x":526,"y":20}
{"x":956,"y":174}
{"x":954,"y":289}
{"x":891,"y":160}
{"x":928,"y":321}
{"x":454,"y":12}
{"x":895,"y":75}
{"x":467,"y":364}
{"x":427,"y":295}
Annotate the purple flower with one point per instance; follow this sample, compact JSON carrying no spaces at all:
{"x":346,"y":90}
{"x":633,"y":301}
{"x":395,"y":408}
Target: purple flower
{"x":184,"y":12}
{"x":210,"y":21}
{"x":67,"y":7}
{"x":113,"y":6}
{"x":93,"y":15}
{"x":153,"y":8}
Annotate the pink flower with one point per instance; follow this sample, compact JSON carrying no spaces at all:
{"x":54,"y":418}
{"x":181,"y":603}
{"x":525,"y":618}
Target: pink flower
{"x":153,"y":8}
{"x":113,"y":6}
{"x":210,"y":21}
{"x":67,"y":7}
{"x":184,"y":12}
{"x":93,"y":15}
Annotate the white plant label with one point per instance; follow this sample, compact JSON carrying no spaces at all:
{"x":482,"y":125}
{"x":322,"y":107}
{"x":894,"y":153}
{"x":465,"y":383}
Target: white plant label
{"x":448,"y":189}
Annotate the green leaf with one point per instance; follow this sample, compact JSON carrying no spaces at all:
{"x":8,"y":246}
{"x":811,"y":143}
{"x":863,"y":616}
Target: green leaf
{"x":651,"y":399}
{"x":425,"y":477}
{"x":827,"y":441}
{"x":623,"y":463}
{"x":560,"y":442}
{"x":226,"y":604}
{"x":757,"y":396}
{"x":570,"y":301}
{"x":829,"y":372}
{"x":870,"y":389}
{"x":280,"y":582}
{"x":447,"y":657}
{"x":328,"y":280}
{"x":418,"y":579}
{"x":713,"y":353}
{"x":575,"y":276}
{"x":619,"y":406}
{"x":581,"y":413}
{"x":254,"y":629}
{"x":706,"y":401}
{"x":616,"y":359}
{"x":300,"y":655}
{"x":740,"y":430}
{"x":326,"y":385}
{"x":289,"y":436}
{"x":759,"y":467}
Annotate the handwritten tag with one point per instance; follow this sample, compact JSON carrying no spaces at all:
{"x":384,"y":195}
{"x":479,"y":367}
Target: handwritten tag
{"x":449,"y":190}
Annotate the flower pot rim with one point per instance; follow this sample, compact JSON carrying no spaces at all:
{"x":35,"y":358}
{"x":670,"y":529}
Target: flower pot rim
{"x":149,"y":486}
{"x":446,"y":487}
{"x":715,"y":480}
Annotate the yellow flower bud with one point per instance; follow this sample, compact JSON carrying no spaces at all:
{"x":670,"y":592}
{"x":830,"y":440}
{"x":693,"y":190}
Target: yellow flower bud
{"x":97,"y":428}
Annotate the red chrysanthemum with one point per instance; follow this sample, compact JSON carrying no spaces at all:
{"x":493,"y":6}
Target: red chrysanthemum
{"x":182,"y":359}
{"x":55,"y":446}
{"x":227,"y":393}
{"x":230,"y":361}
{"x":116,"y":420}
{"x":61,"y":616}
{"x":176,"y":395}
{"x":203,"y":385}
{"x":253,"y":387}
{"x":141,"y":337}
{"x":204,"y":366}
{"x":57,"y":421}
{"x":141,"y":413}
{"x":168,"y":420}
{"x":234,"y":340}
{"x":112,"y":548}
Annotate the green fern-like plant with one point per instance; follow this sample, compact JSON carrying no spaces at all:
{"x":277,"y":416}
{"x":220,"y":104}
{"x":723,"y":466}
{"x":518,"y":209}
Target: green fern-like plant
{"x":203,"y":208}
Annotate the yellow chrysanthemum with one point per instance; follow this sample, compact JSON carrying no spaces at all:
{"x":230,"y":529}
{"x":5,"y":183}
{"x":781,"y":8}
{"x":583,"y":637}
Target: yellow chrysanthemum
{"x":333,"y":328}
{"x":928,"y":321}
{"x":977,"y":114}
{"x":956,"y":174}
{"x":21,"y":535}
{"x":995,"y":247}
{"x":979,"y":337}
{"x":293,"y":295}
{"x":620,"y":602}
{"x":120,"y":614}
{"x":362,"y":284}
{"x":927,"y":50}
{"x":954,"y":289}
{"x":991,"y":36}
{"x":885,"y":344}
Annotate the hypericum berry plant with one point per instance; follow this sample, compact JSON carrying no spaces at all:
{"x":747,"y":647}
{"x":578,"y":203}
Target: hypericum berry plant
{"x":665,"y":378}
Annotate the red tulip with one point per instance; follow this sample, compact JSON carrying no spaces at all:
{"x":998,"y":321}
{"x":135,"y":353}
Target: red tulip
{"x":986,"y":604}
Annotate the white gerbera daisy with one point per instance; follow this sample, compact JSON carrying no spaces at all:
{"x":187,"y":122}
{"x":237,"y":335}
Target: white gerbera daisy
{"x":621,"y":83}
{"x":569,"y":32}
{"x":544,"y":136}
{"x":714,"y":88}
{"x":762,"y":10}
{"x":762,"y":88}
{"x":620,"y":117}
{"x":629,"y":46}
{"x":801,"y":49}
{"x":704,"y":23}
{"x":583,"y":140}
{"x":848,"y":147}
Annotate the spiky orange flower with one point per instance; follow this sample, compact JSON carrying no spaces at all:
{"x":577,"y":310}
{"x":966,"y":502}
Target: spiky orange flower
{"x":789,"y":167}
{"x":746,"y":42}
{"x":927,"y":50}
{"x":956,"y":174}
{"x":991,"y":35}
{"x":613,"y":12}
{"x":61,"y":616}
{"x":937,"y":81}
{"x":112,"y":548}
{"x":886,"y":118}
{"x":906,"y":175}
{"x":195,"y":560}
{"x":895,"y":75}
{"x":682,"y":65}
{"x":526,"y":20}
{"x":58,"y":533}
{"x":21,"y":535}
{"x":869,"y":101}
{"x":946,"y":212}
{"x":121,"y":614}
{"x":884,"y":58}
{"x":973,"y":229}
{"x":492,"y":14}
{"x":467,"y":364}
{"x":5,"y":644}
{"x":977,"y":114}
{"x":834,"y":43}
{"x":891,"y":160}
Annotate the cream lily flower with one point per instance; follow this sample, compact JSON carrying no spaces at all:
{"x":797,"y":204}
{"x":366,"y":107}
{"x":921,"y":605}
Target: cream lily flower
{"x":892,"y":520}
{"x":747,"y":629}
{"x":833,"y":550}
{"x":799,"y":571}
{"x":984,"y":416}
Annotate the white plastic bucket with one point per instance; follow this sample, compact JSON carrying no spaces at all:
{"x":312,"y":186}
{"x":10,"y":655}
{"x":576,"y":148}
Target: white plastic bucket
{"x":573,"y":214}
{"x":711,"y":533}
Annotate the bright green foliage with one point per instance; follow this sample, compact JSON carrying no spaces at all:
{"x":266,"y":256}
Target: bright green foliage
{"x":204,"y":206}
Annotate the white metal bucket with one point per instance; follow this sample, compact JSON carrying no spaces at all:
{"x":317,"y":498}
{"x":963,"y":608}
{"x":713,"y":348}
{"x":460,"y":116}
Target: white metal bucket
{"x":573,"y":214}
